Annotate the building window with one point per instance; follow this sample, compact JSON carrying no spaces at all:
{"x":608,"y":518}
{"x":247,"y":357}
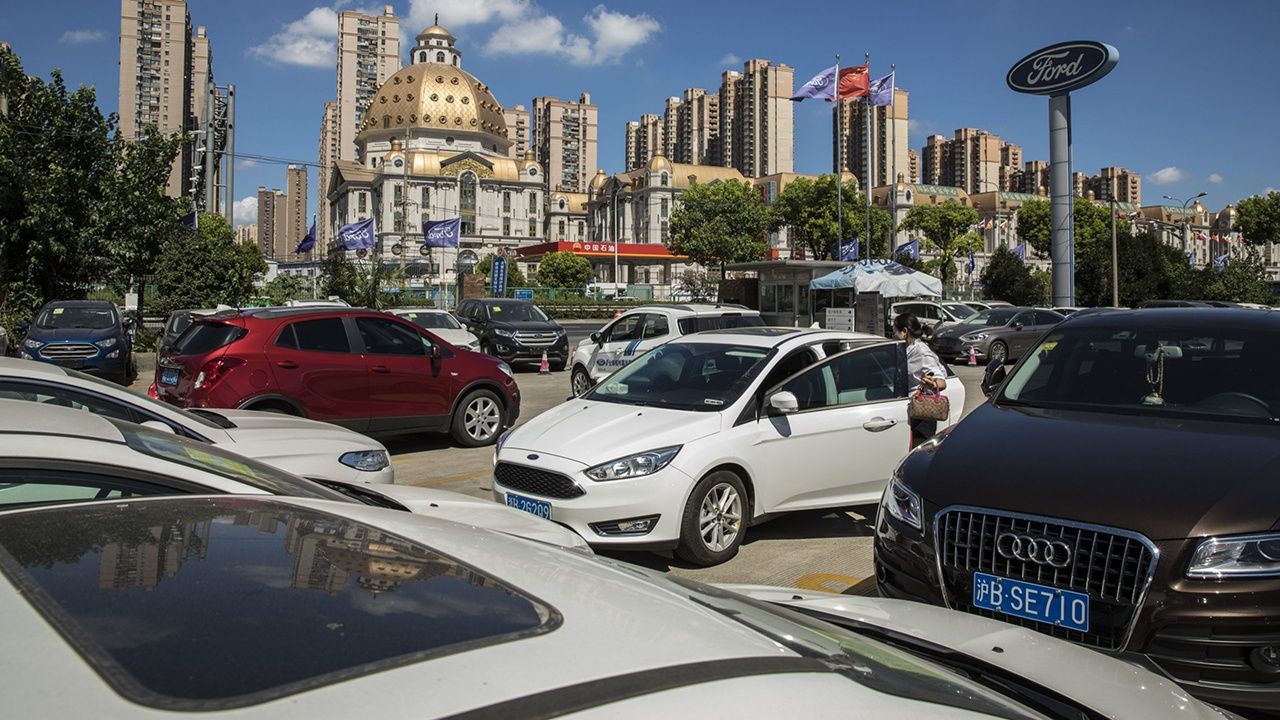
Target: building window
{"x":562,"y":203}
{"x":560,"y":229}
{"x":362,"y":204}
{"x":533,"y":227}
{"x":397,"y":193}
{"x":386,"y":122}
{"x":439,"y":57}
{"x":467,"y":191}
{"x":426,"y":199}
{"x":422,"y":57}
{"x":506,"y":201}
{"x":662,"y":208}
{"x":506,"y":226}
{"x":397,"y":218}
{"x":665,"y":232}
{"x":533,"y":203}
{"x":664,"y":179}
{"x":581,"y":230}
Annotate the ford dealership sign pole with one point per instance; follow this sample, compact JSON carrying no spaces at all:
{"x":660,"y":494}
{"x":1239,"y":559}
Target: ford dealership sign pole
{"x":1056,"y":71}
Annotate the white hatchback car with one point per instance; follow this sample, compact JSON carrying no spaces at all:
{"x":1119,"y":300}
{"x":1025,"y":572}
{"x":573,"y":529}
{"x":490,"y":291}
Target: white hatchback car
{"x":644,"y":328}
{"x":442,"y":324}
{"x":705,"y":435}
{"x":303,"y":447}
{"x":259,"y":608}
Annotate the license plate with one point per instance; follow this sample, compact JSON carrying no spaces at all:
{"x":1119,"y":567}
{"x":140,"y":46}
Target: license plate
{"x":169,"y":376}
{"x":1049,"y":605}
{"x":541,"y":508}
{"x":74,"y":364}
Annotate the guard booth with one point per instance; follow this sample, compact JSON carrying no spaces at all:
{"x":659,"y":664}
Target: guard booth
{"x":784,"y":295}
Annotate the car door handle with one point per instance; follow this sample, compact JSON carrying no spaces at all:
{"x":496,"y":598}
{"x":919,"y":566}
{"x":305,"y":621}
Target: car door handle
{"x":287,"y":364}
{"x":380,"y":369}
{"x":878,"y":424}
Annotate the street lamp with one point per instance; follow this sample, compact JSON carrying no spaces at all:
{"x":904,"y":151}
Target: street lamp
{"x":1186,"y":226}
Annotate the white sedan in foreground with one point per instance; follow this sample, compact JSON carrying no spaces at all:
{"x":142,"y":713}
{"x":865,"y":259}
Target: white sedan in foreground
{"x":255,"y":608}
{"x":701,"y":437}
{"x":303,"y":447}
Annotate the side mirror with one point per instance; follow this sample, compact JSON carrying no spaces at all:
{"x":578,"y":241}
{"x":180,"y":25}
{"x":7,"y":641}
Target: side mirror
{"x":595,"y":337}
{"x":992,"y":377}
{"x":157,"y":425}
{"x":783,"y":403}
{"x":1017,"y":326}
{"x":23,"y":326}
{"x":435,"y":351}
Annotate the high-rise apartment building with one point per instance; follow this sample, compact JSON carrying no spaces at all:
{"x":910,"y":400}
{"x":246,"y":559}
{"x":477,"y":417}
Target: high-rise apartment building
{"x":1010,"y":164}
{"x":517,"y":130}
{"x":565,"y":141}
{"x":247,"y":234}
{"x":934,"y":157}
{"x":1033,"y":179}
{"x":273,"y":224}
{"x":697,"y":129}
{"x":328,"y":150}
{"x":763,"y":129}
{"x":368,"y":54}
{"x":156,"y":74}
{"x":1079,"y":181}
{"x":296,"y":221}
{"x":670,"y":126}
{"x":1115,"y":182}
{"x":729,"y":84}
{"x":644,"y":138}
{"x":913,"y":166}
{"x":889,"y":145}
{"x":974,"y":160}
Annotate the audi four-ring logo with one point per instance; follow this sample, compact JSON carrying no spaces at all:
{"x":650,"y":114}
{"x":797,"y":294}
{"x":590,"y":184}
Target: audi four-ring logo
{"x":1043,"y":551}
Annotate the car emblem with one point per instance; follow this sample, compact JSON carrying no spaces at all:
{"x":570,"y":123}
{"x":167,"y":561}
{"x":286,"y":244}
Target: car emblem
{"x":1039,"y":550}
{"x":532,"y":456}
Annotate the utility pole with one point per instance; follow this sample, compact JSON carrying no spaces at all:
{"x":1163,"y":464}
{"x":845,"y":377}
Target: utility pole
{"x":231,"y":162}
{"x":866,"y":191}
{"x":1115,"y":254}
{"x":838,"y":108}
{"x":210,"y":140}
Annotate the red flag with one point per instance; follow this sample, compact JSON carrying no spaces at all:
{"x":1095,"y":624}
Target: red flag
{"x":854,"y":82}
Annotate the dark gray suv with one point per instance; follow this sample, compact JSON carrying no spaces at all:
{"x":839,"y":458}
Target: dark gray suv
{"x":1001,"y":333}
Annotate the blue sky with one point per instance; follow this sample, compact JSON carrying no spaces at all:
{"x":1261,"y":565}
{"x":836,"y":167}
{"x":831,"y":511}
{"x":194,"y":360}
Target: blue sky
{"x":1191,"y":105}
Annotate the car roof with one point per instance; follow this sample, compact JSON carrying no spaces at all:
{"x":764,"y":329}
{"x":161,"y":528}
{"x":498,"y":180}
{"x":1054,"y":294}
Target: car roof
{"x":28,"y":418}
{"x":1178,"y":317}
{"x":14,"y":366}
{"x":696,"y":309}
{"x":80,"y":303}
{"x":279,"y":312}
{"x":770,"y":337}
{"x":398,"y":311}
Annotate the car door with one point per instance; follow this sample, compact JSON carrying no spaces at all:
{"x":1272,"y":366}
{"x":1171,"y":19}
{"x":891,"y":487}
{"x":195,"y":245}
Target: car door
{"x":1022,"y":332}
{"x":408,"y":387}
{"x":618,"y":344}
{"x":849,"y":432}
{"x":314,"y":365}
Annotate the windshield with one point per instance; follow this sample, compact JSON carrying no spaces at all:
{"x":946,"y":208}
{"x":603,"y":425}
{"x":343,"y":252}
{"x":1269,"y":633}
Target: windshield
{"x":214,"y":460}
{"x":685,"y":376}
{"x":432,"y":321}
{"x":516,"y":312}
{"x":88,"y":318}
{"x":178,"y":323}
{"x":205,"y":337}
{"x":1220,"y":372}
{"x":995,"y":317}
{"x":147,"y":404}
{"x":960,"y":310}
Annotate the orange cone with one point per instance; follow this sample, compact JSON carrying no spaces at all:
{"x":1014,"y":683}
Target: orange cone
{"x":973,"y":356}
{"x":544,"y":367}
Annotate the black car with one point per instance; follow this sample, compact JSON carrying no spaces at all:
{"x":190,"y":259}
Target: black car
{"x":1121,"y":489}
{"x":516,"y":331}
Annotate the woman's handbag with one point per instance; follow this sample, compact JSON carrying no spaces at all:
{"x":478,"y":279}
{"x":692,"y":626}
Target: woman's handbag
{"x":929,"y":404}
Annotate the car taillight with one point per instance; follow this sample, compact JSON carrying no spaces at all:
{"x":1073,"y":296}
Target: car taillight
{"x":151,"y":392}
{"x":213,"y":371}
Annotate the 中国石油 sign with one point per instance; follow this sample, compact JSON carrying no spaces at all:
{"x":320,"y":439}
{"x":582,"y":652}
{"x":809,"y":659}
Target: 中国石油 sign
{"x":1062,"y":68}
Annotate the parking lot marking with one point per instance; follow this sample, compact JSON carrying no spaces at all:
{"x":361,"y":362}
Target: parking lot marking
{"x":826,"y":582}
{"x":453,"y":479}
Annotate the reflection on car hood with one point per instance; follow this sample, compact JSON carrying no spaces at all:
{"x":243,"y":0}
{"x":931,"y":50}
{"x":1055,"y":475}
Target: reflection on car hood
{"x":593,"y":432}
{"x":46,"y":335}
{"x":480,"y":513}
{"x":958,"y":329}
{"x":1167,"y":478}
{"x":526,"y":325}
{"x":459,"y":338}
{"x":1109,"y":686}
{"x":278,"y":435}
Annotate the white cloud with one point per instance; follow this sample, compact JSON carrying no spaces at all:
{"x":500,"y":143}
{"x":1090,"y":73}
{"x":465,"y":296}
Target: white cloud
{"x":1165,"y":176}
{"x":1215,"y":178}
{"x":245,"y":211}
{"x":729,"y":59}
{"x":310,"y":41}
{"x":616,"y":33}
{"x":77,"y":37}
{"x":608,"y":36}
{"x":1268,"y":190}
{"x":461,"y":13}
{"x":533,"y":35}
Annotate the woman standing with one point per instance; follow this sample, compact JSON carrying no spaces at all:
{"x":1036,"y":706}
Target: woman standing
{"x":924,"y":368}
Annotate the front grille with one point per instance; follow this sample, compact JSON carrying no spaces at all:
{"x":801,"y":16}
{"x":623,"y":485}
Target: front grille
{"x":1219,"y":655}
{"x":1113,"y":567}
{"x":536,"y":338}
{"x":536,"y":482}
{"x":62,"y":351}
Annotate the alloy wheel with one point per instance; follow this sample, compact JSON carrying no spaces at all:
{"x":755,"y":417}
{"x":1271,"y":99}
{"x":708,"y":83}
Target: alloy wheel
{"x":580,"y":382}
{"x":482,"y":418}
{"x":720,"y":518}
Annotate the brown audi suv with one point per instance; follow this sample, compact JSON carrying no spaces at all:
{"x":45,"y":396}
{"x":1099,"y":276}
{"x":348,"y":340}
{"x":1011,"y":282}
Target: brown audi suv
{"x":1121,"y":489}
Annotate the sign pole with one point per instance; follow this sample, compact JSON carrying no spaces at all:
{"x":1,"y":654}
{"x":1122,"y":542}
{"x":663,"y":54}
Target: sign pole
{"x":840,"y":159}
{"x":866,"y":191}
{"x":1061,"y":248}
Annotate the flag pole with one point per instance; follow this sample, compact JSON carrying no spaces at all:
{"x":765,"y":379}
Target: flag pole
{"x":867,"y":190}
{"x":835,"y":98}
{"x":893,"y":150}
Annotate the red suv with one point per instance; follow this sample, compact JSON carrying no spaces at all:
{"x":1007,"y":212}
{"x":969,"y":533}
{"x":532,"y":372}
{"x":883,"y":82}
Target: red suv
{"x":365,"y":370}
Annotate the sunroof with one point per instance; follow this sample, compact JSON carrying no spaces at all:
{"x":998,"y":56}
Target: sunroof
{"x":198,"y":604}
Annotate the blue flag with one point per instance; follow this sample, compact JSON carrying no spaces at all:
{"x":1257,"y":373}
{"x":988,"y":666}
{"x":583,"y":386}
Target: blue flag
{"x":910,"y":249}
{"x":1220,"y":261}
{"x":358,"y":235}
{"x":822,"y":85}
{"x":309,"y":241}
{"x":1021,"y":252}
{"x":192,"y":222}
{"x":442,"y":233}
{"x":971,"y":264}
{"x":845,"y":251}
{"x":1191,"y":260}
{"x":881,"y":90}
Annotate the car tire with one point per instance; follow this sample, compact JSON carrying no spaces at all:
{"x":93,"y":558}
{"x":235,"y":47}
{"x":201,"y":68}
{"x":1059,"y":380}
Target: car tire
{"x":487,"y":349}
{"x":998,"y":351}
{"x":559,"y":365}
{"x":477,"y":421}
{"x":580,"y":382}
{"x":708,"y":514}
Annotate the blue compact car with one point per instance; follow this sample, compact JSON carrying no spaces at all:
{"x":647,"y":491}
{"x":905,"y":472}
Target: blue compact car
{"x":85,"y":335}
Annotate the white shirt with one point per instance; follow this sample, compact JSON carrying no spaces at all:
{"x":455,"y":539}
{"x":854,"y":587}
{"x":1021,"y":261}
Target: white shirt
{"x":922,"y":359}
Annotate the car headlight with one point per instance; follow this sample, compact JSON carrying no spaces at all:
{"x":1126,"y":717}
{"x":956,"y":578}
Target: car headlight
{"x":473,"y":345}
{"x":366,"y":460}
{"x":109,"y":342}
{"x":31,"y":343}
{"x":504,"y":332}
{"x":974,"y":337}
{"x":1241,"y":556}
{"x":903,"y":503}
{"x":507,"y":369}
{"x":502,"y":440}
{"x":638,"y":465}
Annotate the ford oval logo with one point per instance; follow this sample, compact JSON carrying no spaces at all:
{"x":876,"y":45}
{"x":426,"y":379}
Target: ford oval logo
{"x":532,"y":456}
{"x":1062,"y":68}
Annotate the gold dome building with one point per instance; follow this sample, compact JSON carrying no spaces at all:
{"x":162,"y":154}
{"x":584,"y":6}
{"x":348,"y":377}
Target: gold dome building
{"x":434,"y":146}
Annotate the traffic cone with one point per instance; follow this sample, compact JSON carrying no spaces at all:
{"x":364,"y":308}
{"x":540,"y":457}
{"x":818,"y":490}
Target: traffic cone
{"x":973,"y":356}
{"x":544,"y":367}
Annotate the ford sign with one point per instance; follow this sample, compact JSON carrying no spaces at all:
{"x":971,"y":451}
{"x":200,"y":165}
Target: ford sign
{"x":1062,"y":68}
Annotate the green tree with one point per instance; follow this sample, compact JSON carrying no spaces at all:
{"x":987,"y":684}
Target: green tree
{"x":1242,"y":279}
{"x":515,"y":278}
{"x":1092,"y":223}
{"x":563,"y":270}
{"x":206,"y":268}
{"x":807,"y":208}
{"x":1006,"y":277}
{"x":1258,"y":218}
{"x":283,"y":288}
{"x":338,"y":275}
{"x":946,"y":228}
{"x":723,"y":222}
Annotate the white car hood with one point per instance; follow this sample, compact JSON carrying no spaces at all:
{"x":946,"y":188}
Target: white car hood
{"x":1113,"y":687}
{"x":481,"y":513}
{"x":592,"y":432}
{"x":258,"y":428}
{"x":458,"y":338}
